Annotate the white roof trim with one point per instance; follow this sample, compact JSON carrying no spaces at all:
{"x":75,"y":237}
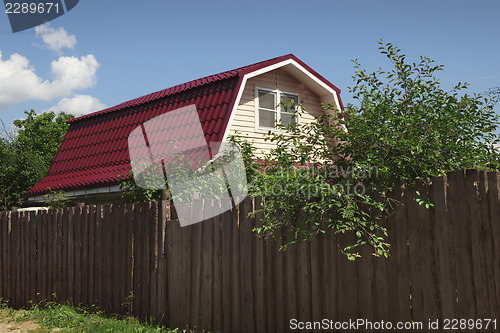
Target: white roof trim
{"x":236,"y":104}
{"x":268,"y":69}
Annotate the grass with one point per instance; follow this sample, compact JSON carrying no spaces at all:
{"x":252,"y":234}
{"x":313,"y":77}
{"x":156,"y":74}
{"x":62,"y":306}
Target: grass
{"x":65,"y":318}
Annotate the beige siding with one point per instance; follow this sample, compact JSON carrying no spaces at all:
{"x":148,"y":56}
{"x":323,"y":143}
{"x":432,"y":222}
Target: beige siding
{"x":245,"y":118}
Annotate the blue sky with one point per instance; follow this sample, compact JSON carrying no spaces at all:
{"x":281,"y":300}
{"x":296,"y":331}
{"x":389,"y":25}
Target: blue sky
{"x":103,"y":53}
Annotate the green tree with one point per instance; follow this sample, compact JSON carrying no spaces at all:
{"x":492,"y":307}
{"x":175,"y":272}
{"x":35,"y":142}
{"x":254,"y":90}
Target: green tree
{"x":408,"y":126}
{"x":41,"y":134}
{"x":27,"y":156}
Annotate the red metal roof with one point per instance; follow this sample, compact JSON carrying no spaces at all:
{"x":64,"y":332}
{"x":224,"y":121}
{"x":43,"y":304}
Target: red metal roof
{"x":94,"y":151}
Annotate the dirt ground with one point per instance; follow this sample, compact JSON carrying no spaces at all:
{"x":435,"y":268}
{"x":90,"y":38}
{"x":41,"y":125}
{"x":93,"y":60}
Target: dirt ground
{"x":9,"y":325}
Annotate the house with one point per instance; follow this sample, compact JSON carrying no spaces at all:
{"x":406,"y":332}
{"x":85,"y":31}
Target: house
{"x":94,"y":151}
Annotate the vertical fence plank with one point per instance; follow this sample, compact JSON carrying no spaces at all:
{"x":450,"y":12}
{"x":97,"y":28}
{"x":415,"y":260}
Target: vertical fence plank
{"x":51,"y":253}
{"x":114,"y":280}
{"x":63,"y":264}
{"x":119,"y":258}
{"x":49,"y":237}
{"x":25,"y":264}
{"x":92,"y":225}
{"x":382,"y":304}
{"x":10,"y":255}
{"x":430,"y":293}
{"x":45,"y":240}
{"x":99,"y":257}
{"x":62,"y":254}
{"x":207,"y":271}
{"x":16,"y":241}
{"x":443,"y":247}
{"x":51,"y":258}
{"x":35,"y":253}
{"x":227,"y":290}
{"x":71,"y":247}
{"x":217,"y":270}
{"x":235,"y":264}
{"x":124,"y":228}
{"x":192,"y":269}
{"x":29,"y":254}
{"x":303,"y":274}
{"x":486,"y":245}
{"x":84,"y":234}
{"x":24,"y":220}
{"x":23,"y":256}
{"x":173,"y":318}
{"x":4,"y":229}
{"x":4,"y":268}
{"x":462,"y":245}
{"x":329,"y":278}
{"x":153,"y":258}
{"x":391,"y":267}
{"x":403,"y":266}
{"x":145,"y":288}
{"x":110,"y":246}
{"x":291,"y":284}
{"x":259,"y":273}
{"x":42,"y":270}
{"x":494,"y":226}
{"x":365,"y":284}
{"x":33,"y":259}
{"x":415,"y":256}
{"x":162,"y":266}
{"x":474,"y":199}
{"x":78,"y":254}
{"x":21,"y":265}
{"x":103,"y":253}
{"x":347,"y":282}
{"x":47,"y":268}
{"x":316,"y":283}
{"x":279,"y":276}
{"x":138,"y":248}
{"x":57,"y":254}
{"x":167,"y":248}
{"x":247,"y":309}
{"x":128,"y":257}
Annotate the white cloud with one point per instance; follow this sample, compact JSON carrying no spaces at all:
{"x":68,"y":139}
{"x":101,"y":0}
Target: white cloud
{"x":72,"y":73}
{"x":78,"y":105}
{"x":55,"y":39}
{"x":19,"y":82}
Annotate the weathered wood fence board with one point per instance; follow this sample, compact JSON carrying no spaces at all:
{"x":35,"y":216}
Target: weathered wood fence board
{"x":216,"y":275}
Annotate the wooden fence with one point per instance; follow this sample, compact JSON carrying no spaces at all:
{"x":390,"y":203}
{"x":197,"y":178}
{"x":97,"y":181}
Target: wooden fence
{"x":216,"y":275}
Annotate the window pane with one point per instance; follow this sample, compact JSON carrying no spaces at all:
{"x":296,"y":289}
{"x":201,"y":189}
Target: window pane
{"x":287,"y":118}
{"x":267,"y":99}
{"x":285,"y":98}
{"x":267,"y":118}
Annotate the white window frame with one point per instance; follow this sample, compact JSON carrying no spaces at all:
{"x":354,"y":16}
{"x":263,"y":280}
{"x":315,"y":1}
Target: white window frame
{"x":278,"y":108}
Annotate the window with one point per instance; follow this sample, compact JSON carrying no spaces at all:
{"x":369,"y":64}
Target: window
{"x":271,"y":112}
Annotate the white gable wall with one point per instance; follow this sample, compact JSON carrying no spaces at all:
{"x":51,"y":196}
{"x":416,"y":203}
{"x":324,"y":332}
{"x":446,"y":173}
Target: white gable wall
{"x":245,"y":117}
